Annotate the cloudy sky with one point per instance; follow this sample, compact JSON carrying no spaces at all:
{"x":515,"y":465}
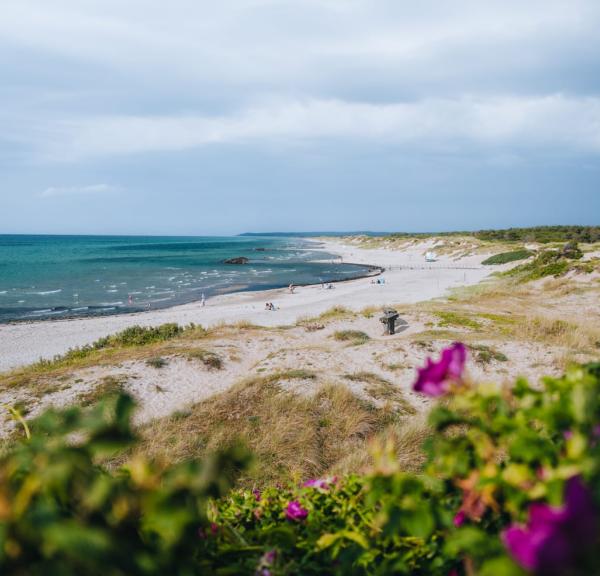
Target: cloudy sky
{"x":198,"y":117}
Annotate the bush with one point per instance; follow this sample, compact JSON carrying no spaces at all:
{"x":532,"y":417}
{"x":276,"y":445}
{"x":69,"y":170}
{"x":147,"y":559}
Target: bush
{"x":547,"y":263}
{"x":140,"y":336}
{"x":511,"y":487}
{"x":506,"y":257}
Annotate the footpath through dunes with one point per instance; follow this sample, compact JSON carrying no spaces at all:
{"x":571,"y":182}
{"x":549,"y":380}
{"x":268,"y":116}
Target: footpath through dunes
{"x":405,"y":282}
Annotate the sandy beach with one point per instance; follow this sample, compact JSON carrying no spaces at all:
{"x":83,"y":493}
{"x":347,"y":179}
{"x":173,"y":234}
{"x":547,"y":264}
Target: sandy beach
{"x":408,"y":279}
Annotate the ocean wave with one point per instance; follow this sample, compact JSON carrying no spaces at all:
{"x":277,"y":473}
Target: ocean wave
{"x":46,"y":292}
{"x":102,"y":304}
{"x":3,"y":291}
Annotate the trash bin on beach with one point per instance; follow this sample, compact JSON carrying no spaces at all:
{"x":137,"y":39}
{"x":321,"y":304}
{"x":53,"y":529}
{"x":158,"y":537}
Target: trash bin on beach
{"x":389,"y":320}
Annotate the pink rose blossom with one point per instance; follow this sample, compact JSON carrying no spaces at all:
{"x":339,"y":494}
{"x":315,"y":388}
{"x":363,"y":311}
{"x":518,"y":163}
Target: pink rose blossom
{"x":295,"y":511}
{"x":435,"y":378}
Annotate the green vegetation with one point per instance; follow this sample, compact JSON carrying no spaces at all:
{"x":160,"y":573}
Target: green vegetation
{"x":541,"y":234}
{"x":210,"y":359}
{"x":109,"y":385}
{"x":506,"y":257}
{"x":456,"y":320}
{"x":332,"y":315}
{"x":135,"y":336}
{"x":139,"y":336}
{"x":547,"y":263}
{"x":485,"y":355}
{"x":355,"y":337}
{"x":79,"y":498}
{"x":157,"y":362}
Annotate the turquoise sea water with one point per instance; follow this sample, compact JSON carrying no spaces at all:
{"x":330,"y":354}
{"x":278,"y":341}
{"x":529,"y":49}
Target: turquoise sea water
{"x":63,"y":276}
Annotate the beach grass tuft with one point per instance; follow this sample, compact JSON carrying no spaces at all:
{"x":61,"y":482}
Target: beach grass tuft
{"x":354,"y":337}
{"x":210,"y":359}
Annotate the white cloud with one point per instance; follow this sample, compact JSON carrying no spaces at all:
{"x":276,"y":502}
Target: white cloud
{"x":554,"y":122}
{"x":78,"y":190}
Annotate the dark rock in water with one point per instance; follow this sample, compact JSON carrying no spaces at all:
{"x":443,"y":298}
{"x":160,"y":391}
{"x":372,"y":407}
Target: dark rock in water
{"x":259,"y":249}
{"x":238,"y":260}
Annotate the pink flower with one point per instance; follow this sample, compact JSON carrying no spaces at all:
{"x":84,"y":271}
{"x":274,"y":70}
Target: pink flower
{"x":257,"y":494}
{"x":460,"y":518}
{"x":554,"y":538}
{"x":322,"y":483}
{"x":434,"y":379}
{"x":295,"y":511}
{"x":270,"y":557}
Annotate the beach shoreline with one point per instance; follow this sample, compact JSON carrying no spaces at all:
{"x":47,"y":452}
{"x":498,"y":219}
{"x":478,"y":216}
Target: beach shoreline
{"x":22,"y":343}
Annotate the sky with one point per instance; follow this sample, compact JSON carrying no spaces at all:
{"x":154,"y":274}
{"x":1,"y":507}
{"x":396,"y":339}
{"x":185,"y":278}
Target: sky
{"x":192,"y":117}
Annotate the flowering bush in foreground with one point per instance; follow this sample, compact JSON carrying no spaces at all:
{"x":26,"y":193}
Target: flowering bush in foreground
{"x":511,"y":487}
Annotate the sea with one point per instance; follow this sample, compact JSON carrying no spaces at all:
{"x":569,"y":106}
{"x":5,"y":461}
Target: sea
{"x":49,"y":277}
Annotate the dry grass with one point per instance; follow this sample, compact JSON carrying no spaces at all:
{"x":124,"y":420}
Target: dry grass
{"x":292,"y":436}
{"x":332,"y":315}
{"x":407,"y":438}
{"x":383,"y":390}
{"x":210,"y":359}
{"x":107,"y":386}
{"x":581,"y":336}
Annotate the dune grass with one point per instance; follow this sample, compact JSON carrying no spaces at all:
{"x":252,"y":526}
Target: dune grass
{"x":334,"y":314}
{"x":210,"y":359}
{"x":353,"y":337}
{"x":381,"y":389}
{"x":292,"y":436}
{"x":452,"y":319}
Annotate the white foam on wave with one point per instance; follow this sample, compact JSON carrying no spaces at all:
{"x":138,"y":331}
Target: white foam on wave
{"x":112,"y":290}
{"x":46,"y":292}
{"x":3,"y":291}
{"x":111,"y":304}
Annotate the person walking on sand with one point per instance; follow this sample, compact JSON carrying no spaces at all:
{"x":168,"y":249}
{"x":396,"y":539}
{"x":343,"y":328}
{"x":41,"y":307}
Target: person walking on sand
{"x":291,"y":288}
{"x":202,"y":300}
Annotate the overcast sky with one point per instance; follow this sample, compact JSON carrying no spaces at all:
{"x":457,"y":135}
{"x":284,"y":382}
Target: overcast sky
{"x":198,"y":117}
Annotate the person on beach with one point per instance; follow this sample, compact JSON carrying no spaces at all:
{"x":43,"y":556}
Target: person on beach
{"x":202,"y":300}
{"x":130,"y":300}
{"x":291,"y":288}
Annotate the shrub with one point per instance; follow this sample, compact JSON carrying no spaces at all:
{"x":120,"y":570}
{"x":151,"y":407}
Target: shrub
{"x":140,"y":336}
{"x":511,"y":486}
{"x":506,"y":257}
{"x":547,"y":263}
